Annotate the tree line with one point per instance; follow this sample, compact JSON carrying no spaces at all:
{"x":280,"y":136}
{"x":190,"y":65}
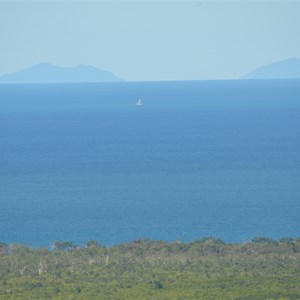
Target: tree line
{"x":144,"y":269}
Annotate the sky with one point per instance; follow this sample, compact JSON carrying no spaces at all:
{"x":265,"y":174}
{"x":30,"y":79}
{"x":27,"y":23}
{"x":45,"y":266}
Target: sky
{"x":150,"y":40}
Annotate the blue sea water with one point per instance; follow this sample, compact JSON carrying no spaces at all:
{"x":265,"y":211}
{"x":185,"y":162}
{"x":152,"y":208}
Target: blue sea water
{"x":208,"y":158}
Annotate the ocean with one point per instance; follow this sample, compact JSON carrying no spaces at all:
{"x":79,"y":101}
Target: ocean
{"x":82,"y":162}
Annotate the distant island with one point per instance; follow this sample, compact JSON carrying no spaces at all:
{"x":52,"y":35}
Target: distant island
{"x":288,"y":68}
{"x":48,"y":73}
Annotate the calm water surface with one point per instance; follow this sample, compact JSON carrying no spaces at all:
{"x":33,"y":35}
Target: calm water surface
{"x":82,"y":161}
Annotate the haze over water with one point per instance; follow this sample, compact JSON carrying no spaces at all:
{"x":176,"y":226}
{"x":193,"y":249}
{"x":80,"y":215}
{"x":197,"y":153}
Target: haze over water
{"x":211,"y":158}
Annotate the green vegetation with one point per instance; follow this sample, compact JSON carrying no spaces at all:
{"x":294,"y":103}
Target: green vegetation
{"x":143,"y":269}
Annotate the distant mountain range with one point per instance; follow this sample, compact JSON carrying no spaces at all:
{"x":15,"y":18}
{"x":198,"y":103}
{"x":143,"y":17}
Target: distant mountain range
{"x":48,"y":73}
{"x":288,"y":68}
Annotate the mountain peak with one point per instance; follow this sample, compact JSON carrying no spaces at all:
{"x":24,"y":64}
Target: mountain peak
{"x":49,"y":73}
{"x":287,"y":68}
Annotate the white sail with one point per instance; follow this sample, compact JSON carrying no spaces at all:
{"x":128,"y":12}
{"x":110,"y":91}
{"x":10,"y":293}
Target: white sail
{"x":139,"y":102}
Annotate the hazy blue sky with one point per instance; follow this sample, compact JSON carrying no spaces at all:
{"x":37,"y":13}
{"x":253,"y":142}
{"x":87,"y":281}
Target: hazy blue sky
{"x":150,"y":40}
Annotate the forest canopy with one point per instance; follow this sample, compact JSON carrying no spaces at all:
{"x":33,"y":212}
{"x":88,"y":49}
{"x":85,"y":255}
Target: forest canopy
{"x":145,"y":269}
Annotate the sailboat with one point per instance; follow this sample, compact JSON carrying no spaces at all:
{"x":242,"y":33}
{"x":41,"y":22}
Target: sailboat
{"x":139,"y":102}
